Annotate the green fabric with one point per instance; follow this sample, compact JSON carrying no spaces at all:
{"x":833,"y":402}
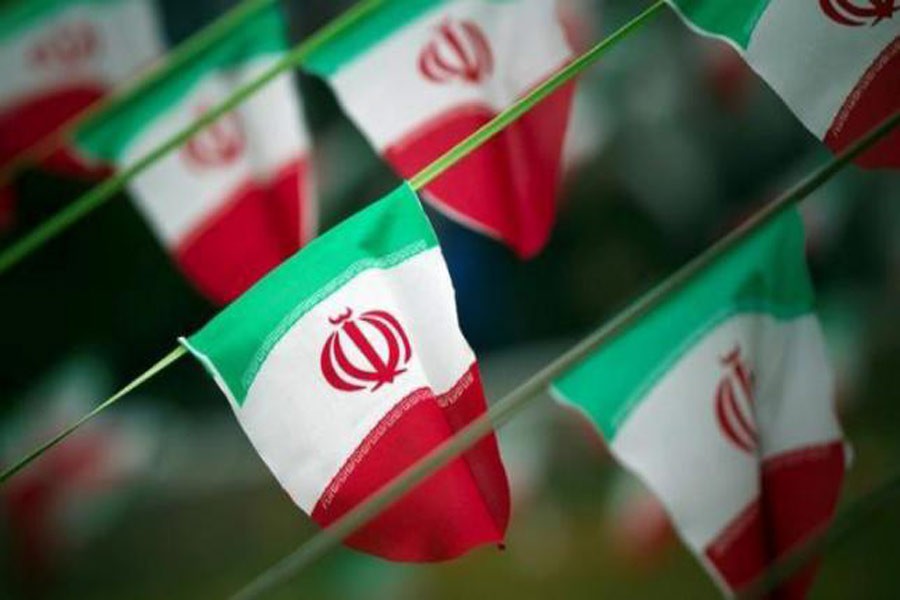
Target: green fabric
{"x":381,"y":23}
{"x":766,"y":274}
{"x":733,"y":19}
{"x":20,"y":15}
{"x":237,"y":341}
{"x":107,"y":139}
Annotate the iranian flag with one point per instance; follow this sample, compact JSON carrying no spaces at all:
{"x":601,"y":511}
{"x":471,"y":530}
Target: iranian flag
{"x":236,"y":199}
{"x":721,"y":401}
{"x":345,"y":365}
{"x":418,"y":76}
{"x":60,"y":56}
{"x":835,"y":63}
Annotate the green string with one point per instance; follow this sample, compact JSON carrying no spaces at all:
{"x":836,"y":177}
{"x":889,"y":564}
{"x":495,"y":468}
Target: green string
{"x":527,"y":102}
{"x":105,"y":191}
{"x":98,"y":195}
{"x":509,"y":405}
{"x":170,"y":358}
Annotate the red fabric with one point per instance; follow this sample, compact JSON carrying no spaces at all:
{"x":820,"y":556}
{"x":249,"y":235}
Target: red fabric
{"x":740,"y":553}
{"x":7,"y":207}
{"x":255,"y":229}
{"x":30,"y":121}
{"x":876,"y":97}
{"x":462,"y":506}
{"x":800,"y":490}
{"x":507,"y":188}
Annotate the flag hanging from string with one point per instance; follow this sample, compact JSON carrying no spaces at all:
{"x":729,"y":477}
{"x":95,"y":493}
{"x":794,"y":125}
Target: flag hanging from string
{"x":59,"y":57}
{"x":835,"y":63}
{"x":418,"y":76}
{"x":721,"y":400}
{"x":345,"y":365}
{"x":237,"y":198}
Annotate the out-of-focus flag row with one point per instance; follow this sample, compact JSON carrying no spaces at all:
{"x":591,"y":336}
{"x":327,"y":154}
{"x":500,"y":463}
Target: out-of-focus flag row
{"x":344,"y":364}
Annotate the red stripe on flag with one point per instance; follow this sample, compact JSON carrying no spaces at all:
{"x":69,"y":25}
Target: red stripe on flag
{"x":258,"y":226}
{"x":800,"y":490}
{"x":460,"y":507}
{"x":508,"y":187}
{"x":740,"y":553}
{"x":875,"y":98}
{"x":36,"y":117}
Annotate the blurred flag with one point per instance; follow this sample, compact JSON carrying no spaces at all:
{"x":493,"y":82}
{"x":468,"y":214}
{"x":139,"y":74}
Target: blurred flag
{"x":721,"y":400}
{"x":73,"y":491}
{"x":57,"y":58}
{"x":236,"y":199}
{"x":418,"y":76}
{"x":637,"y":524}
{"x":836,"y":63}
{"x":345,"y":365}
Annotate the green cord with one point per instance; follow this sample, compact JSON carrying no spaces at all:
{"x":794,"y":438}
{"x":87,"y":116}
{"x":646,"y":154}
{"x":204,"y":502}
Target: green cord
{"x":509,"y":405}
{"x":527,"y":102}
{"x":106,"y":190}
{"x":100,"y":194}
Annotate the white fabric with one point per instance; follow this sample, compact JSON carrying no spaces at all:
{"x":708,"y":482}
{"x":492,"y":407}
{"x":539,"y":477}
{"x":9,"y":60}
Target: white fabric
{"x":128,"y":38}
{"x":176,"y":195}
{"x":673,"y":440}
{"x":527,"y":44}
{"x":812,"y":62}
{"x":302,"y":427}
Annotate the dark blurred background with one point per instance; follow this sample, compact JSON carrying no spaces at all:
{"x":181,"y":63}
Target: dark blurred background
{"x":673,"y":142}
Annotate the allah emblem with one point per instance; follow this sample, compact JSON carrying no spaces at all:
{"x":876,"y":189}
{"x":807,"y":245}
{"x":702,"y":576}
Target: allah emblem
{"x":734,"y":403}
{"x":218,"y":144}
{"x":68,"y":46}
{"x":459,"y":52}
{"x":382,"y":351}
{"x":856,"y":13}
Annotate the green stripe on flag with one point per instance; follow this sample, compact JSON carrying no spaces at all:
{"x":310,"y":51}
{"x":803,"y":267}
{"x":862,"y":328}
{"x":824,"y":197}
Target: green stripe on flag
{"x":766,"y":274}
{"x":261,"y":36}
{"x":237,"y":341}
{"x":731,"y":19}
{"x":379,"y":24}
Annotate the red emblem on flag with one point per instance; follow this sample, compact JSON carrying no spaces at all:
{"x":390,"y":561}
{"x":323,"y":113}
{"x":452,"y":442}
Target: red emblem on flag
{"x":218,"y":144}
{"x":460,"y":51}
{"x":855,"y":14}
{"x":68,"y":46}
{"x":382,"y":351}
{"x":734,"y":403}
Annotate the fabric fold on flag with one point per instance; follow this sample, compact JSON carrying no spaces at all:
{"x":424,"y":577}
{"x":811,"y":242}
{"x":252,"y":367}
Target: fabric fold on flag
{"x":835,"y":63}
{"x":721,"y":400}
{"x":345,"y":365}
{"x":419,"y":76}
{"x":237,"y":198}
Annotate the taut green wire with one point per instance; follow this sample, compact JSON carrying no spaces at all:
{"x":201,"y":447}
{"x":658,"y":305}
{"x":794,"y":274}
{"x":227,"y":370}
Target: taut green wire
{"x":468,"y":145}
{"x":106,"y":190}
{"x":170,"y":62}
{"x":145,"y":376}
{"x":527,"y":102}
{"x":507,"y":406}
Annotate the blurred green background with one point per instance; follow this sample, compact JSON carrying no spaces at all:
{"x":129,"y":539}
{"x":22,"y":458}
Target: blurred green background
{"x":672,"y":143}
